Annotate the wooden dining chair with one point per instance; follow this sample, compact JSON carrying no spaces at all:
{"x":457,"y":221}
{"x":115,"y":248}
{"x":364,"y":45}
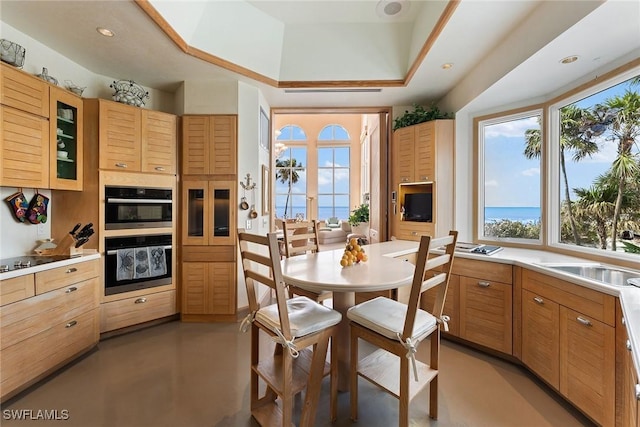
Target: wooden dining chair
{"x":301,"y":238}
{"x":397,"y":329}
{"x":302,"y":329}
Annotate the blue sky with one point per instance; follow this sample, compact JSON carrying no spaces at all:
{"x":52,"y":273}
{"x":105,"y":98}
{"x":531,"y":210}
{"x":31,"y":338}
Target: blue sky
{"x":514,"y":181}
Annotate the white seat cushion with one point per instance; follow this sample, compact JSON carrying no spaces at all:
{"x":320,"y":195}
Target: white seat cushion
{"x":305,"y":316}
{"x":386,"y":317}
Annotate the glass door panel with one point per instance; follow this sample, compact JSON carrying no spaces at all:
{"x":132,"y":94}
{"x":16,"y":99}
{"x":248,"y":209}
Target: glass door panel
{"x":66,"y":149}
{"x":223,"y":214}
{"x":195,"y":199}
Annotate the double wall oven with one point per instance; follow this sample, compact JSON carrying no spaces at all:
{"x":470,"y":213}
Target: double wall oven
{"x":143,"y":259}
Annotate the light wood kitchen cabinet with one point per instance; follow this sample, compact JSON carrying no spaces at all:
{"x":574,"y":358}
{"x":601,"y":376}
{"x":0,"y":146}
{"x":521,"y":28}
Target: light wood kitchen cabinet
{"x":66,"y":146}
{"x":541,"y":337}
{"x":16,"y":289}
{"x":41,"y":333}
{"x":210,"y":214}
{"x":130,"y":138}
{"x":209,"y":145}
{"x":24,"y":149}
{"x":486,"y":313}
{"x":209,"y":288}
{"x":137,"y":309}
{"x":626,"y":375}
{"x":583,"y":350}
{"x":422,"y":162}
{"x":451,"y":304}
{"x":23,"y":91}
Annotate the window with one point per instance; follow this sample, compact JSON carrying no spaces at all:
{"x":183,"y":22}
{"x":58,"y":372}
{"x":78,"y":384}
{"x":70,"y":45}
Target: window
{"x":509,"y":177}
{"x":595,"y":160}
{"x":333,"y":182}
{"x":333,"y":172}
{"x":291,"y":173}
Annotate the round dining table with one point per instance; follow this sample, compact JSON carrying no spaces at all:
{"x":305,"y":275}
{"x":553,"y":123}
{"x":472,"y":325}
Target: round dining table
{"x":385,"y":269}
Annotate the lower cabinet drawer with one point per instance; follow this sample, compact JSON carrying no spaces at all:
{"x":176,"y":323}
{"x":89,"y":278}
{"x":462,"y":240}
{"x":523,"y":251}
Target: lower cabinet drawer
{"x":131,"y":311}
{"x":16,"y":289}
{"x":29,"y":317}
{"x":412,"y":230}
{"x":57,"y":278}
{"x":27,"y":360}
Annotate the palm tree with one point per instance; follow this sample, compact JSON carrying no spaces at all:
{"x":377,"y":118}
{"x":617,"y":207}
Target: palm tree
{"x":572,"y":137}
{"x":624,"y":111}
{"x":286,"y":173}
{"x":596,"y":205}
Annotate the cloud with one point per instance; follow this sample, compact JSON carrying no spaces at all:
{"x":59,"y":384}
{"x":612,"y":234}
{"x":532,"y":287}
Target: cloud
{"x":491,"y":183}
{"x":513,"y":128}
{"x":531,"y":172}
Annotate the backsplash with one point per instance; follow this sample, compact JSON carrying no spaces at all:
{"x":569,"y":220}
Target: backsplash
{"x":17,"y":238}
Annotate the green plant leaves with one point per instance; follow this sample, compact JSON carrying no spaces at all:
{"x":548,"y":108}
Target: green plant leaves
{"x":419,"y":115}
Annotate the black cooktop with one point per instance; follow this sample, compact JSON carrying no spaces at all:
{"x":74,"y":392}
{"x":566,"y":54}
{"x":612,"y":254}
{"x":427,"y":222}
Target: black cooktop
{"x":17,"y":263}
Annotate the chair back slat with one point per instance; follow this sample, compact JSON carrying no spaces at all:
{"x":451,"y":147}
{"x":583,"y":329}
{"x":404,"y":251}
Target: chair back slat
{"x":424,"y":265}
{"x":433,"y":282}
{"x":300,"y":237}
{"x":265,"y":269}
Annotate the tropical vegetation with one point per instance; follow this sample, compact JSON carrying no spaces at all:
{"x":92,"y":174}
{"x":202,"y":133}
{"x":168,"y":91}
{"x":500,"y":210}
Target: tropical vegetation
{"x":287,"y":173}
{"x":611,"y":204}
{"x":420,"y":115}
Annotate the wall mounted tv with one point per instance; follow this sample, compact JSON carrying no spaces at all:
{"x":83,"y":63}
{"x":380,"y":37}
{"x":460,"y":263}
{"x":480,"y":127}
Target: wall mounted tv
{"x":418,"y":207}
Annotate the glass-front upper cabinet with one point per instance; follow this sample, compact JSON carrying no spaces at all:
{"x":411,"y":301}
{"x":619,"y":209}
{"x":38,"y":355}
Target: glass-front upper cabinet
{"x":66,"y":148}
{"x":210,"y":216}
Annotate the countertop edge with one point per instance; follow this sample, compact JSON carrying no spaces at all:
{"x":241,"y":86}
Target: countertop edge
{"x":49,"y":266}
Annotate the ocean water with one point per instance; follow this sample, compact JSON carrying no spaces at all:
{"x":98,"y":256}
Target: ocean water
{"x":522,"y":214}
{"x":342,"y":212}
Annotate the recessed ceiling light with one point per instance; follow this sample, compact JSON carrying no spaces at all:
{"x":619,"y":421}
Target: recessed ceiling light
{"x":447,"y":65}
{"x":105,"y":32}
{"x":569,"y":59}
{"x":391,"y":8}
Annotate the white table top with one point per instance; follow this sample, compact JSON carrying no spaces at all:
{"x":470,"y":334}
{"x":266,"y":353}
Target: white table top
{"x":322,"y":271}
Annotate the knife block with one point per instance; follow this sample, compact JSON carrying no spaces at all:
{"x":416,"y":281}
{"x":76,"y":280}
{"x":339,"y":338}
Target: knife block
{"x":67,"y":246}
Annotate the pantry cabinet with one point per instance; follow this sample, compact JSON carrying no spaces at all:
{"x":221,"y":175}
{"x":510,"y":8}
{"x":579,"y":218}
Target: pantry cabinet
{"x":578,"y":358}
{"x":422,"y":163}
{"x":46,"y":320}
{"x":209,"y":218}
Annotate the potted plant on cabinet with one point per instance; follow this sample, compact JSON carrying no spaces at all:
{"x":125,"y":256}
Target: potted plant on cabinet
{"x":359,"y":220}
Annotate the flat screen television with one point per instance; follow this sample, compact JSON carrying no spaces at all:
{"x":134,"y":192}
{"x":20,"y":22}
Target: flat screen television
{"x":418,"y":207}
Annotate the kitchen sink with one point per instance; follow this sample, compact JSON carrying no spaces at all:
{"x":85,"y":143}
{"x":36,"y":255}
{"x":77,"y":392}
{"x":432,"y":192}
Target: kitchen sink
{"x":601,"y":273}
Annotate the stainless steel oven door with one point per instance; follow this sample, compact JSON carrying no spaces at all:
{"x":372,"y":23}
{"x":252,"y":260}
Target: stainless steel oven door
{"x":132,"y":207}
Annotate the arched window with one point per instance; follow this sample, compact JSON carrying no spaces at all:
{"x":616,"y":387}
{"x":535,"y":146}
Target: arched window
{"x":333,"y":172}
{"x":291,"y":172}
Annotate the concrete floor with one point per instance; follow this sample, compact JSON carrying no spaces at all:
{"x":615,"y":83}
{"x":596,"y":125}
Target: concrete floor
{"x":180,"y":374}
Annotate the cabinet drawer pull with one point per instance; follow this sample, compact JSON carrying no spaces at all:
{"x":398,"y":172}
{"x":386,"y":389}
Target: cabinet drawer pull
{"x":71,"y":270}
{"x":638,"y":391}
{"x":583,"y":321}
{"x":414,"y":233}
{"x":424,"y":178}
{"x":159,"y":168}
{"x":484,"y":284}
{"x":624,"y":322}
{"x":404,"y":179}
{"x":121,"y":165}
{"x":538,"y":300}
{"x":140,"y":301}
{"x":71,"y":289}
{"x":71,"y":324}
{"x":628,"y":344}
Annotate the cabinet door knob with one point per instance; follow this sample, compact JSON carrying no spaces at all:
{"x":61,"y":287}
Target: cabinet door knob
{"x":159,"y":168}
{"x":71,"y":324}
{"x":140,"y":301}
{"x":71,"y":289}
{"x":121,"y":165}
{"x":638,"y":391}
{"x":538,"y":300}
{"x":71,"y":270}
{"x":483,"y":284}
{"x":628,"y":344}
{"x":584,"y":321}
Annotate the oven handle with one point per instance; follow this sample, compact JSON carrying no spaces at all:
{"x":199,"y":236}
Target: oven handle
{"x":115,"y":251}
{"x":138,"y":201}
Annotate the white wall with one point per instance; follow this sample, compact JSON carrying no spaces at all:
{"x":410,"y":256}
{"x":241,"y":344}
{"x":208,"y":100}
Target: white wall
{"x":17,"y":238}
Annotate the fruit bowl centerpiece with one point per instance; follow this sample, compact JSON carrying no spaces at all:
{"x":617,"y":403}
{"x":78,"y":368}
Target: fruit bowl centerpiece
{"x":353,"y":254}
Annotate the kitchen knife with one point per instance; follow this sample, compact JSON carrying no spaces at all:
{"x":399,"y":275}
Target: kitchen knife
{"x":82,"y":233}
{"x":81,"y":241}
{"x":73,"y":232}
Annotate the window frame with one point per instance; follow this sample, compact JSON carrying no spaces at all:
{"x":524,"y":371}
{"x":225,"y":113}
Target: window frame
{"x":479,"y":203}
{"x":333,"y":144}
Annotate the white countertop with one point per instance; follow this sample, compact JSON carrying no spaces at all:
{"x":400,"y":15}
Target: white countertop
{"x":42,"y":267}
{"x":529,"y":258}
